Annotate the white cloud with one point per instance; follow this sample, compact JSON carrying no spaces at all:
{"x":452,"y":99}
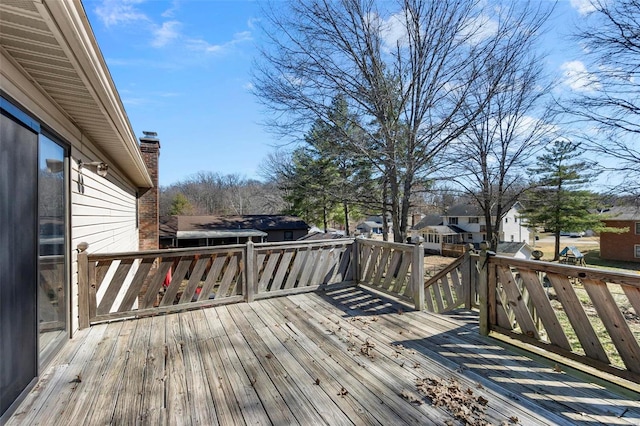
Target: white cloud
{"x":251,"y":23}
{"x":170,"y":13}
{"x":115,"y":12}
{"x":394,"y":31}
{"x":165,"y":34}
{"x":204,"y":46}
{"x":577,"y":77}
{"x":248,"y":86}
{"x":479,"y":28}
{"x":583,"y":7}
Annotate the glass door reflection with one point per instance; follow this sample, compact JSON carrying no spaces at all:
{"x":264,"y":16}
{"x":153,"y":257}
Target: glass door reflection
{"x":52,"y":288}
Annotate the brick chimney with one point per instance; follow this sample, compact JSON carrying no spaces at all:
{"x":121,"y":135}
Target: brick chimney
{"x":148,"y":232}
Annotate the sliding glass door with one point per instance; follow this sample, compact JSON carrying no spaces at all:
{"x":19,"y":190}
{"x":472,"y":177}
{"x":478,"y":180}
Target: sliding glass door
{"x":52,"y":288}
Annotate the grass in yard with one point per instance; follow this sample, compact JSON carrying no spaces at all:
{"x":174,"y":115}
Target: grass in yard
{"x":590,"y":247}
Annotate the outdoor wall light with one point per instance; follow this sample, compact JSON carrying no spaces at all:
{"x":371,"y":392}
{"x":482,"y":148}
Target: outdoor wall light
{"x":101,"y":167}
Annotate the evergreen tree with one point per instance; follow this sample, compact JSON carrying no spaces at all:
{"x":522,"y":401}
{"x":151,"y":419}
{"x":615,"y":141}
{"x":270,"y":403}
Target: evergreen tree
{"x":559,"y":201}
{"x":180,"y":205}
{"x":325,"y":179}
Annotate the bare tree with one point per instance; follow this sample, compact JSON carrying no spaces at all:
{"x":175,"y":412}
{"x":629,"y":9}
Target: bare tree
{"x":490,"y":158}
{"x":209,"y":193}
{"x":610,"y":96}
{"x":405,"y":72}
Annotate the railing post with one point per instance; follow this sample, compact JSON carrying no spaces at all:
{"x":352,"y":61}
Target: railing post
{"x":355,"y":261}
{"x":83,"y":286}
{"x":483,"y":289}
{"x":249,"y":289}
{"x":417,"y":276}
{"x":468,"y":278}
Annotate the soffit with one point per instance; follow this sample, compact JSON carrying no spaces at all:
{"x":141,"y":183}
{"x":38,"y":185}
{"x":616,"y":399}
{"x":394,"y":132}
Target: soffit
{"x":51,"y":41}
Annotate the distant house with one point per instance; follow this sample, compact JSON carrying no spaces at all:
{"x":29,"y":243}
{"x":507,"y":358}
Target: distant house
{"x":465,"y":224}
{"x":369,"y":227}
{"x":624,"y":246}
{"x":199,"y":231}
{"x":373,"y":225}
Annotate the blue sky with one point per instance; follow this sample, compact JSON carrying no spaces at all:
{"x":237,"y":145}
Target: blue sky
{"x":182,"y":69}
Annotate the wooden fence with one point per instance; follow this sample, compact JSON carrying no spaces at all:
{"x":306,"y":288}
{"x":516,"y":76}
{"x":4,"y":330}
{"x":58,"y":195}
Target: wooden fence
{"x":454,"y":286}
{"x":592,"y":316}
{"x":589,"y":315}
{"x":393,"y":268}
{"x":136,"y":284}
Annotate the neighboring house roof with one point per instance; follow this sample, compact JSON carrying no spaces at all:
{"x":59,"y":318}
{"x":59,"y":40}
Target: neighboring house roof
{"x":57,"y":49}
{"x":428,"y":220}
{"x":445,"y":230}
{"x":220,"y":233}
{"x":474,"y":210}
{"x":370,"y":224}
{"x":621,"y":213}
{"x":511,"y":247}
{"x":211,"y":226}
{"x":318,"y":236}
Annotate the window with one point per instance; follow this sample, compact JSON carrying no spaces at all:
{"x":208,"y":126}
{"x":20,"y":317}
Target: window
{"x":506,"y":220}
{"x":288,"y":235}
{"x":474,"y":220}
{"x":453,"y":221}
{"x":470,"y":237}
{"x":638,"y":251}
{"x":637,"y":228}
{"x":515,"y":219}
{"x":512,"y":238}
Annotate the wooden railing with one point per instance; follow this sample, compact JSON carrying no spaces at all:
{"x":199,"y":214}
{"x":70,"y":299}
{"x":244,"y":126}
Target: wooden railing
{"x":393,"y":268}
{"x":453,"y":250}
{"x":121,"y":285}
{"x":453,"y":287}
{"x":296,"y":267}
{"x":589,"y":315}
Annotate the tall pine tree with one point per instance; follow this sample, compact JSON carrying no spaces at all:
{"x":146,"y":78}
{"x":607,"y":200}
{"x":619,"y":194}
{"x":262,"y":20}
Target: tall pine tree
{"x":558,"y":200}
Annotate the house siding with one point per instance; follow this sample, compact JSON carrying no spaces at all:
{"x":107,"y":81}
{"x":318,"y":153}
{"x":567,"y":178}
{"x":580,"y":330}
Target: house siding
{"x":620,"y":246}
{"x":103,"y":210}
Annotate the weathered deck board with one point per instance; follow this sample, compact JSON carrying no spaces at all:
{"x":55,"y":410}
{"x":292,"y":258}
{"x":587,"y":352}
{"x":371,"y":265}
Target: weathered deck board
{"x":344,"y":357}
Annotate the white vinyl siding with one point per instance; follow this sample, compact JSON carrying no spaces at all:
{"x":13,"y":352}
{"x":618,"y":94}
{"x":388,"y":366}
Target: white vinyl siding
{"x":104,"y":215}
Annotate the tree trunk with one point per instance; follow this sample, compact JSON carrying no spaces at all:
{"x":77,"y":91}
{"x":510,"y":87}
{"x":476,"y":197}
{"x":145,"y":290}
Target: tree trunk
{"x":346,"y":218}
{"x":556,"y":250}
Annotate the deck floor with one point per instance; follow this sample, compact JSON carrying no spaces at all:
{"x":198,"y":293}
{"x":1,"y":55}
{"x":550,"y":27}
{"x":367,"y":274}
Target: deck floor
{"x":344,"y":357}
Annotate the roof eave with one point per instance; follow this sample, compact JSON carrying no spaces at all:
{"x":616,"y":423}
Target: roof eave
{"x":70,"y":26}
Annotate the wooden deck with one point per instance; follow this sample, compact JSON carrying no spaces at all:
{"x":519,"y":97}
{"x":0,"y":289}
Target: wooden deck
{"x":344,"y":357}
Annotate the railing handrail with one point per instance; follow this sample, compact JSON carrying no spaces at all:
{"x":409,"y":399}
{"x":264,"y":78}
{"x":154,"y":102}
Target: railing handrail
{"x":570,"y":270}
{"x":386,"y":244}
{"x":296,"y":244}
{"x":145,"y":254}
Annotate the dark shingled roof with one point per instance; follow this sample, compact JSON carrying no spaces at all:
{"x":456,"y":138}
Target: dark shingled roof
{"x":428,"y":220}
{"x":473,"y":210}
{"x":170,"y":225}
{"x":510,"y":247}
{"x":621,"y":213}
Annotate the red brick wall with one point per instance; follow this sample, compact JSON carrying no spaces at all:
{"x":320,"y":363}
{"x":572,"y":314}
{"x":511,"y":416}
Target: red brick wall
{"x":148,"y":198}
{"x":619,"y":246}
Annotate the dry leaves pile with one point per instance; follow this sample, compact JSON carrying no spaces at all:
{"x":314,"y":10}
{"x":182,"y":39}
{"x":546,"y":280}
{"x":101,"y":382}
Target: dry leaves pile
{"x":461,"y":403}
